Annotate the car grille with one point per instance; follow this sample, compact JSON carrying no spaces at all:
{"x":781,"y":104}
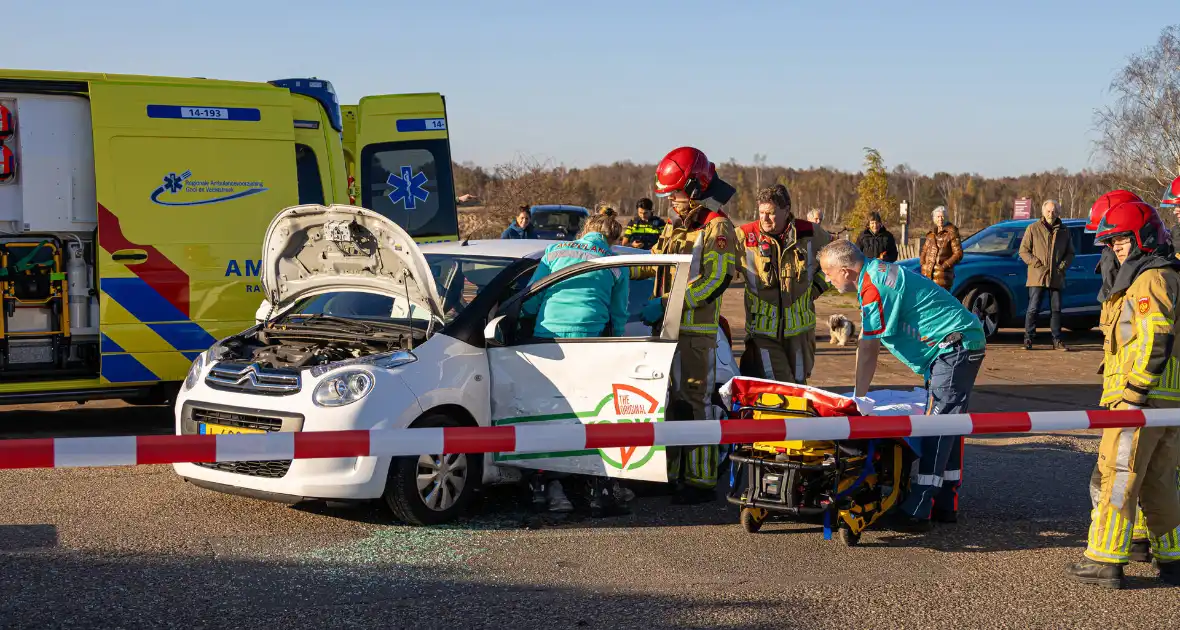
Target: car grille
{"x":271,"y":470}
{"x":195,"y":414}
{"x":253,"y":378}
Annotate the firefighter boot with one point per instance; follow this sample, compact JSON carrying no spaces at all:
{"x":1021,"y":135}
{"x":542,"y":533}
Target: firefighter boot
{"x":602,"y":500}
{"x":1140,"y":551}
{"x":1104,"y":574}
{"x":1170,"y":573}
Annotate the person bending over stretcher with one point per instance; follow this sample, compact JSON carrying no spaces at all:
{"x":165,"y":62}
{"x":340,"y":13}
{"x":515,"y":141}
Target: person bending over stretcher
{"x":929,"y":331}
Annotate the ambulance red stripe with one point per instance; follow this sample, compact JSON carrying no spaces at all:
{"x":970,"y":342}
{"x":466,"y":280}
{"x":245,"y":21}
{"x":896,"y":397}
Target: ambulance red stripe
{"x":158,"y":271}
{"x":164,"y":449}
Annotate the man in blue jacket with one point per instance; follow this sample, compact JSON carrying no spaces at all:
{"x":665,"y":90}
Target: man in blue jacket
{"x":586,"y":305}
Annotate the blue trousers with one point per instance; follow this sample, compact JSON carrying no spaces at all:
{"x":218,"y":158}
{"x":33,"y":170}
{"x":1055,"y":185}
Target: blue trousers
{"x":940,"y":466}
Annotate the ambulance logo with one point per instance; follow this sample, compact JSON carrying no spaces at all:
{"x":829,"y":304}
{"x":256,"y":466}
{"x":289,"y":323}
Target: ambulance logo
{"x":182,"y":190}
{"x":408,"y":188}
{"x":630,"y":405}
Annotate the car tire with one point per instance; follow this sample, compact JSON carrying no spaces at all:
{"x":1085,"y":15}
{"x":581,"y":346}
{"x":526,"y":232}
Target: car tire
{"x":985,"y":303}
{"x":432,"y":489}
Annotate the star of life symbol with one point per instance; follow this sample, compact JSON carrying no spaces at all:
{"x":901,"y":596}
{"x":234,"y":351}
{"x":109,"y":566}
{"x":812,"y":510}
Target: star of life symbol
{"x":407,"y":188}
{"x":173,"y":182}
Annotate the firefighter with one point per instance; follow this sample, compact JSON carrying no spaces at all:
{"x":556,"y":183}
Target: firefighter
{"x":689,"y":180}
{"x":777,"y":253}
{"x":1141,"y":359}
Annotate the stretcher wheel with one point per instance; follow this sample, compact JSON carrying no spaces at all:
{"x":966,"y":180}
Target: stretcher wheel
{"x":752,"y":519}
{"x":848,"y":538}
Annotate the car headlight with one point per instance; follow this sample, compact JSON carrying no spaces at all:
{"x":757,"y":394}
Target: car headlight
{"x":343,"y":389}
{"x":194,"y":372}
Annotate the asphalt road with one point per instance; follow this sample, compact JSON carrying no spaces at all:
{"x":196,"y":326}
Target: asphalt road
{"x":137,"y":547}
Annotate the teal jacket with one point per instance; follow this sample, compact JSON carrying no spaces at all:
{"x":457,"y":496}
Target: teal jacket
{"x":583,"y":305}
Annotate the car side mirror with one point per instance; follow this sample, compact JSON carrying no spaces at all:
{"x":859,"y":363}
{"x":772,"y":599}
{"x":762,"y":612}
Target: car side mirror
{"x":493,"y":333}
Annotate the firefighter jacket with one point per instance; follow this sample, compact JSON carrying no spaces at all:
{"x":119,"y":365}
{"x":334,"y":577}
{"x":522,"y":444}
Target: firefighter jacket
{"x":710,"y":241}
{"x":1141,"y":361}
{"x":782,"y":278}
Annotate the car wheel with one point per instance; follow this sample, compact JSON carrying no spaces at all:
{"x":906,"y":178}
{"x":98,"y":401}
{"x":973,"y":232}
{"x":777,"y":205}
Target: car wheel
{"x":985,"y":304}
{"x":432,"y":489}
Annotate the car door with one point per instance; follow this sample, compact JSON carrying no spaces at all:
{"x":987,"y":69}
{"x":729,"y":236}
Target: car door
{"x":403,"y":162}
{"x":589,"y":380}
{"x":1081,"y":282}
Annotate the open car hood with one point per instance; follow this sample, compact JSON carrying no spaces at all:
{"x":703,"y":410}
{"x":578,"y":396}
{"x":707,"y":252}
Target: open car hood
{"x":313,"y":249}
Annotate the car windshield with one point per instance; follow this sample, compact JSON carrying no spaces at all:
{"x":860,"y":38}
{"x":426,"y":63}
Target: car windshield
{"x":459,"y":279}
{"x":996,"y":240}
{"x":360,"y":305}
{"x":557,"y":219}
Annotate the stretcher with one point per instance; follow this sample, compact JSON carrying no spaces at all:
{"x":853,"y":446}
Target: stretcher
{"x":846,"y":485}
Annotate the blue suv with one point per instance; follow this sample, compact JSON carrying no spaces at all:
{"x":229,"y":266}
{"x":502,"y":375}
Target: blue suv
{"x":990,"y":278}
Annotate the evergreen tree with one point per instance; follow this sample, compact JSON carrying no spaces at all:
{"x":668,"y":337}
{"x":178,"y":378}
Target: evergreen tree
{"x":872,"y":193}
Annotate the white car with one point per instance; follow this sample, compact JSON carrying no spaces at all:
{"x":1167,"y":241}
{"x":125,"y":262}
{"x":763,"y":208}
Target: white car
{"x":371,"y":331}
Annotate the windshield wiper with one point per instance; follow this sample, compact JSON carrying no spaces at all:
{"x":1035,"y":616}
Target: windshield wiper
{"x":320,"y":317}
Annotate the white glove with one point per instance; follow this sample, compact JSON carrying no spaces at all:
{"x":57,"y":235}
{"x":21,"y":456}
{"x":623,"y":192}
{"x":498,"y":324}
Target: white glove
{"x":864,"y":405}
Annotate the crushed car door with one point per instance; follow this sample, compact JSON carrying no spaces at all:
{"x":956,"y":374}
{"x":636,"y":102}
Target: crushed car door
{"x":587,"y":380}
{"x":403,"y":164}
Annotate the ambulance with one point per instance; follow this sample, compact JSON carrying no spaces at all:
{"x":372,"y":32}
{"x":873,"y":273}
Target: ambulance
{"x":132,"y":209}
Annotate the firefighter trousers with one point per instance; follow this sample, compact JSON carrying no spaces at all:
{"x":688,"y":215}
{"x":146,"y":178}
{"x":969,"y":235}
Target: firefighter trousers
{"x":691,"y":387}
{"x":1138,"y":472}
{"x":1140,"y":533}
{"x":786,"y":361}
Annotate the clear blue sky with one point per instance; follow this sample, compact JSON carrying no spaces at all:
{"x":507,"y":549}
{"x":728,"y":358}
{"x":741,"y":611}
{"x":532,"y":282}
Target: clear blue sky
{"x":999,"y":87}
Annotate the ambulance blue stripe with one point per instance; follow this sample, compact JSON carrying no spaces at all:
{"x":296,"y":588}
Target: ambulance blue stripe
{"x":192,"y":356}
{"x":205,"y":112}
{"x":124,"y":368}
{"x":184,"y":336}
{"x":109,"y":345}
{"x":142,"y":301}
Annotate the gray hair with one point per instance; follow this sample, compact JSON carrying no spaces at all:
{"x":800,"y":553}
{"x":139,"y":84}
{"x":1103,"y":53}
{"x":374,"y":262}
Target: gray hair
{"x":941,"y":209}
{"x":604,"y":224}
{"x":1050,"y":202}
{"x":843,"y":254}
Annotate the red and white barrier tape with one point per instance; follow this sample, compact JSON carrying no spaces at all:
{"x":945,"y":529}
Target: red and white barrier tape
{"x":540,"y":438}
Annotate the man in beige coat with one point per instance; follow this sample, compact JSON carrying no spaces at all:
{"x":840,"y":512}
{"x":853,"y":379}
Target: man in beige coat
{"x":1047,"y":249}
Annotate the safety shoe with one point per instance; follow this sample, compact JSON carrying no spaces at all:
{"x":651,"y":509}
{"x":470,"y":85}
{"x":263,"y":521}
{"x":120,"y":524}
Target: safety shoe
{"x":905,"y":523}
{"x":622,"y":495}
{"x":944,"y":516}
{"x":1170,"y":572}
{"x":1060,"y":345}
{"x":1104,"y":574}
{"x":1140,"y":551}
{"x":603,"y":503}
{"x":558,"y":502}
{"x":691,"y":495}
{"x":1028,"y":344}
{"x":539,"y":501}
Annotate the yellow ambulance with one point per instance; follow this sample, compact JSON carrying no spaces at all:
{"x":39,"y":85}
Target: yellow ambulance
{"x":132,"y":211}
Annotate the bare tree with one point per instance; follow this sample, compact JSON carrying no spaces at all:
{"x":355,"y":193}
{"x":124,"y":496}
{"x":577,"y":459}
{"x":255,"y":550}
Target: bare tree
{"x":1139,"y":134}
{"x":911,"y":178}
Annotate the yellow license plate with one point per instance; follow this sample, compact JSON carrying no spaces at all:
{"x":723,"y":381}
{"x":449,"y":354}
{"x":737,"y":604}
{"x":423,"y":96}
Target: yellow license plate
{"x":221,"y":429}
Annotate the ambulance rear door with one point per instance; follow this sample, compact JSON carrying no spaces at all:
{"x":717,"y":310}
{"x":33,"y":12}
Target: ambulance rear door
{"x":404,"y":164}
{"x":188,"y":178}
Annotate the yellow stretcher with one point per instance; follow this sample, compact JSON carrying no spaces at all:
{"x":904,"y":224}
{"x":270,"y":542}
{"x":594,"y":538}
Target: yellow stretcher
{"x":849,"y":483}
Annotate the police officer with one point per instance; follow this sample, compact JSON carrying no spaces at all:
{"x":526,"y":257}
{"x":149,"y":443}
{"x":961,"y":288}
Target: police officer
{"x":689,"y":180}
{"x":777,"y":253}
{"x":643,"y":232}
{"x":1137,"y":465}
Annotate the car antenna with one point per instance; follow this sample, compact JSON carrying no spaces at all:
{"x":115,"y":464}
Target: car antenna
{"x":464,"y":243}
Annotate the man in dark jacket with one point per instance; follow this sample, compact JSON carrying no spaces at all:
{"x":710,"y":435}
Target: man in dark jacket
{"x":876,"y":241}
{"x":522,"y":227}
{"x":644,"y":231}
{"x":1047,"y":249}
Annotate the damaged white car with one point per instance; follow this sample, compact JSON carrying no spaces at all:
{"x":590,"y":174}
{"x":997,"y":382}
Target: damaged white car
{"x":369,"y":330}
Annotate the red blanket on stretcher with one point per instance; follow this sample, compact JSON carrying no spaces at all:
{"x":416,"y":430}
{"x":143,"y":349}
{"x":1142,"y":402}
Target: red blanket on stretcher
{"x":743,"y":391}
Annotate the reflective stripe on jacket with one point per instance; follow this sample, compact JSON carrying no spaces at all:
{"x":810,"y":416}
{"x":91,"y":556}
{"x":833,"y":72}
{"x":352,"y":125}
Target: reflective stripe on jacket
{"x":1141,"y":361}
{"x":711,"y":244}
{"x":782,"y":278}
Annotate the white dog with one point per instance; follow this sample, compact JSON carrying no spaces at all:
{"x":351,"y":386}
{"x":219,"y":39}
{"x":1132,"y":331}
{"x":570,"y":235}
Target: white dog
{"x":841,"y":329}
